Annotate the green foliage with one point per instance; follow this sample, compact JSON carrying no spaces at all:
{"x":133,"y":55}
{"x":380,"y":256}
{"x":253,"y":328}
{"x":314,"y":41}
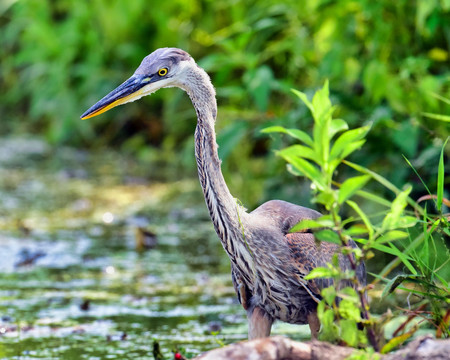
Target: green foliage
{"x":393,"y":231}
{"x":387,"y":62}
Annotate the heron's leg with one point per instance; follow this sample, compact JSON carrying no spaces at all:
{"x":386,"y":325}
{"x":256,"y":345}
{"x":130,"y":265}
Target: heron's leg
{"x":259,"y":323}
{"x":314,"y":324}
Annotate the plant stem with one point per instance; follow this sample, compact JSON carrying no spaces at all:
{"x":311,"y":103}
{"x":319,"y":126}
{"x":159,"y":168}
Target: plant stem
{"x":361,"y":290}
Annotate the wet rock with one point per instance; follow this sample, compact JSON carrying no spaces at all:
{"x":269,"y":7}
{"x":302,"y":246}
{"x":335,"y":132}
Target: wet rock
{"x":214,"y":327}
{"x":85,"y":305}
{"x":28,"y":257}
{"x":145,"y":239}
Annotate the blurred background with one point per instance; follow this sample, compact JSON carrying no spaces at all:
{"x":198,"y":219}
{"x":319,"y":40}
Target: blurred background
{"x":103,"y":180}
{"x":384,"y":61}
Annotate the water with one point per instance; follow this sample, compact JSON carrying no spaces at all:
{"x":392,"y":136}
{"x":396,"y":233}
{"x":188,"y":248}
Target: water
{"x":76,"y":278}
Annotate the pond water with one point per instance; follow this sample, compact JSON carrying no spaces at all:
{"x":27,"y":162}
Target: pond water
{"x":99,"y":261}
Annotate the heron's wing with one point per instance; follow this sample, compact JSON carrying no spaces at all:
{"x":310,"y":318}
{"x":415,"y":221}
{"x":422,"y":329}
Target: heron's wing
{"x":284,"y":214}
{"x":307,"y":254}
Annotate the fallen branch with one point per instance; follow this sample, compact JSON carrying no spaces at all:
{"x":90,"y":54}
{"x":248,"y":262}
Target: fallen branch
{"x":282,"y":348}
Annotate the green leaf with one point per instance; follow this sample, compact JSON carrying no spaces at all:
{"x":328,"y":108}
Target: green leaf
{"x":392,"y":219}
{"x":349,"y":331}
{"x":337,"y":125}
{"x":303,"y":98}
{"x":349,"y":294}
{"x":329,"y":294}
{"x":356,"y":230}
{"x":322,"y":222}
{"x":304,"y":167}
{"x":391,"y":249}
{"x":439,"y":97}
{"x":328,"y":236}
{"x":442,"y":280}
{"x":351,"y":148}
{"x":363,"y":217}
{"x":440,"y":179}
{"x":396,"y":281}
{"x":322,"y":104}
{"x":391,"y":236}
{"x":395,"y":342}
{"x":321,"y":272}
{"x":301,"y":152}
{"x":343,"y":143}
{"x":383,"y":181}
{"x":439,"y":117}
{"x":375,"y":198}
{"x":418,"y":175}
{"x":295,"y":133}
{"x":351,"y":186}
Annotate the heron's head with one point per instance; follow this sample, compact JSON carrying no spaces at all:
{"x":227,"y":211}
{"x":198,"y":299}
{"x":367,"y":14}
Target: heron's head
{"x":164,"y":67}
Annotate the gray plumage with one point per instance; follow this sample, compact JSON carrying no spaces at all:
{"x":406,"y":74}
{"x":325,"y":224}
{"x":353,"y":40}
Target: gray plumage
{"x":268,"y":264}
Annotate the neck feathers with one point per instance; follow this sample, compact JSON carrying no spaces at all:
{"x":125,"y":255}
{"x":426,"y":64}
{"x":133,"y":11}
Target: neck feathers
{"x":222,"y":207}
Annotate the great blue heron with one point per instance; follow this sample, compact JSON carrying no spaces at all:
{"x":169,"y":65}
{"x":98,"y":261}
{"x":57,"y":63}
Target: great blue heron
{"x":268,"y":263}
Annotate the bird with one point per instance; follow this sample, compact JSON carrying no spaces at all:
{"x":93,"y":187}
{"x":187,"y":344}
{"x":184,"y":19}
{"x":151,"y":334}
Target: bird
{"x":268,"y":262}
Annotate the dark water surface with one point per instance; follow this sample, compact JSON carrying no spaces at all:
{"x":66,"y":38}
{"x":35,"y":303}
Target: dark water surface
{"x":80,"y":274}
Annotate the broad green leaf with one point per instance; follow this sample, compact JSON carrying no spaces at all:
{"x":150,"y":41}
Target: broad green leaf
{"x":351,"y":148}
{"x":300,"y":151}
{"x":391,"y":236}
{"x":348,"y":310}
{"x":351,"y":186}
{"x":346,"y":139}
{"x":392,"y":219}
{"x":357,"y":230}
{"x":328,"y":236}
{"x":321,"y":272}
{"x":321,"y":102}
{"x":337,"y":125}
{"x":295,"y":133}
{"x":407,"y":221}
{"x":305,"y":168}
{"x":329,"y":294}
{"x":350,"y":294}
{"x":328,"y":317}
{"x":440,"y":180}
{"x":349,"y":331}
{"x":321,"y":222}
{"x":326,"y":197}
{"x":303,"y":98}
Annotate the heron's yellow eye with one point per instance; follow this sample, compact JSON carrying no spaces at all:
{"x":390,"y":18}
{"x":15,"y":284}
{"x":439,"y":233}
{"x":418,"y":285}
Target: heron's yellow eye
{"x":162,"y":72}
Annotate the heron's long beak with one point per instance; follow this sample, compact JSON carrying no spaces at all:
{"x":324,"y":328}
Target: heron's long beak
{"x":132,"y":89}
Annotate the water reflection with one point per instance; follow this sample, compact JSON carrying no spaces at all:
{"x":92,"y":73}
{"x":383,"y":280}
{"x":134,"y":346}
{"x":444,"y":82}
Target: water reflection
{"x":107,"y":264}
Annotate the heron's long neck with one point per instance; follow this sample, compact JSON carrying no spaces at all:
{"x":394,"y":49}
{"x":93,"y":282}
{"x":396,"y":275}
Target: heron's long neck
{"x":223,"y":208}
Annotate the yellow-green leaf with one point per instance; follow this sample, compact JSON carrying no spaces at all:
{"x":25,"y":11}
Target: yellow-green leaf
{"x":351,"y":186}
